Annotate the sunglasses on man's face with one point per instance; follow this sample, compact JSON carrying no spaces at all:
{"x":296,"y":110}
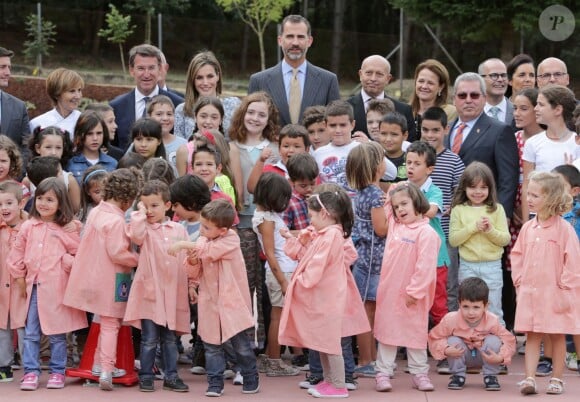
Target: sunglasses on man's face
{"x":464,"y":95}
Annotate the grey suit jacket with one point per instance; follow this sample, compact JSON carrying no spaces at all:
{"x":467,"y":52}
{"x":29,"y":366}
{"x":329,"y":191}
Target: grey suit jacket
{"x":14,"y":120}
{"x":509,"y":113}
{"x":320,"y":88}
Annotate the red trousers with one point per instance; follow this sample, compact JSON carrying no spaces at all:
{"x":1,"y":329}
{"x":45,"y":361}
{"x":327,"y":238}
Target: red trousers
{"x":439,"y":308}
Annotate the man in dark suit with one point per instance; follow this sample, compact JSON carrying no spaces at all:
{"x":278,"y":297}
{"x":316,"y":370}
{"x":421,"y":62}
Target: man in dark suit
{"x":315,"y":86}
{"x":484,"y":138}
{"x":13,"y":114}
{"x":494,"y":73}
{"x":375,"y":74}
{"x":144,"y":67}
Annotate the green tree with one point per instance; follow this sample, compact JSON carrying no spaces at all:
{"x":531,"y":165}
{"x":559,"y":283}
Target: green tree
{"x":478,"y":21}
{"x":38,"y":43}
{"x":150,"y":7}
{"x":257,"y":14}
{"x":118,"y":29}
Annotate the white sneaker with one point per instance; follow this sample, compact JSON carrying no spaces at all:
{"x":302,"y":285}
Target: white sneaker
{"x":571,"y":361}
{"x":238,"y":379}
{"x":197,"y":370}
{"x":117,"y":372}
{"x":229,"y":374}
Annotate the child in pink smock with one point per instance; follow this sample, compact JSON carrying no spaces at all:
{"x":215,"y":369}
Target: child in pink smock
{"x":101,"y":273}
{"x":546,"y":275}
{"x":13,"y":311}
{"x":407,"y":287}
{"x":322,"y":303}
{"x":40,"y":262}
{"x":158,"y":303}
{"x":223,"y":301}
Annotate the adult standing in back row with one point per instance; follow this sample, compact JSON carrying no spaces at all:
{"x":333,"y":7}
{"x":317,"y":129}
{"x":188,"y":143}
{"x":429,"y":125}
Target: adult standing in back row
{"x":294,"y":83}
{"x":144,"y":66}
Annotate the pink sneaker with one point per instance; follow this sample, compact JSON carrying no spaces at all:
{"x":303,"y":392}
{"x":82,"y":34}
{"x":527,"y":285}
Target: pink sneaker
{"x":422,"y":382}
{"x":330,"y":391}
{"x":322,"y":384}
{"x":383,"y":382}
{"x":55,"y":381}
{"x":29,"y":382}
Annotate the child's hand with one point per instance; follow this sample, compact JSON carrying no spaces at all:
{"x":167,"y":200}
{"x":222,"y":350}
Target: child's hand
{"x":284,"y":286}
{"x":21,"y":284}
{"x":410,"y":301}
{"x":454,"y":351}
{"x":192,"y":295}
{"x":285,"y":233}
{"x":490,"y":357}
{"x":486,"y":224}
{"x":359,"y":136}
{"x":141,"y":208}
{"x":265,"y":154}
{"x":192,"y":258}
{"x":304,"y":236}
{"x":70,"y":227}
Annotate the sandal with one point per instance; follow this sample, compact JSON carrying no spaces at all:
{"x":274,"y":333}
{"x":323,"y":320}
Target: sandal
{"x":555,"y":386}
{"x":528,"y":386}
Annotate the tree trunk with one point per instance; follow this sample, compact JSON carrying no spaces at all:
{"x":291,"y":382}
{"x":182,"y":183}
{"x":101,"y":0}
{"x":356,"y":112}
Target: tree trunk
{"x":148,"y":28}
{"x":244,"y":55}
{"x":122,"y":59}
{"x":262,"y":52}
{"x":507,"y":41}
{"x":96,"y":38}
{"x":338,"y":18}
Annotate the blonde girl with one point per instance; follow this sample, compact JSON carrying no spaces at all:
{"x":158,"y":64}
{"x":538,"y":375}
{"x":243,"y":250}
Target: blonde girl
{"x":546,"y":275}
{"x":365,"y":166}
{"x":478,"y":227}
{"x":40,"y":261}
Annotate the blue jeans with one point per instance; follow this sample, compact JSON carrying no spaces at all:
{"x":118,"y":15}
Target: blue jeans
{"x":32,"y":333}
{"x":316,"y":366}
{"x":151,"y":335}
{"x":492,"y":275}
{"x":215,"y":359}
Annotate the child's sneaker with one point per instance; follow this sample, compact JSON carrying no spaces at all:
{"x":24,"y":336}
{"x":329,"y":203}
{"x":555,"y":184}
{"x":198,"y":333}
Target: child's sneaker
{"x":528,"y":386}
{"x":251,"y":384}
{"x":6,"y":374}
{"x":383,"y":382}
{"x":572,"y":361}
{"x":544,"y":368}
{"x":277,"y":368}
{"x":422,"y":382}
{"x":117,"y":372}
{"x":175,"y":384}
{"x":329,"y":391}
{"x":491,"y":383}
{"x":214,"y":391}
{"x":197,"y":370}
{"x":443,"y":367}
{"x":351,"y":383}
{"x":238,"y":379}
{"x":55,"y":381}
{"x":106,"y":381}
{"x":310,"y":382}
{"x":368,"y":370}
{"x":456,"y":382}
{"x":262,"y":363}
{"x":301,"y":362}
{"x":29,"y":382}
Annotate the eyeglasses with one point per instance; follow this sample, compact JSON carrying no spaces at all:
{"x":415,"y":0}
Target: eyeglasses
{"x":495,"y":76}
{"x":464,"y":95}
{"x":547,"y":76}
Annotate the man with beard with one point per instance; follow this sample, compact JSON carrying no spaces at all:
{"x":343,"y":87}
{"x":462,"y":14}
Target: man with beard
{"x":295,"y":84}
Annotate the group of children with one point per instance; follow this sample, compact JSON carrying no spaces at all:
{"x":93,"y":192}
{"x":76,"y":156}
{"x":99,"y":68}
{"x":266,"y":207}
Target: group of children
{"x":354,"y":235}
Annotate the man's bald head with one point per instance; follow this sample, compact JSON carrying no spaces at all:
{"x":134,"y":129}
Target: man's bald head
{"x":374,"y":74}
{"x":552,"y":71}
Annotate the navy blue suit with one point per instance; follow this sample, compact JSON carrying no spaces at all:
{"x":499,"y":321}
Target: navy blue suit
{"x":124,"y":107}
{"x":493,"y":143}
